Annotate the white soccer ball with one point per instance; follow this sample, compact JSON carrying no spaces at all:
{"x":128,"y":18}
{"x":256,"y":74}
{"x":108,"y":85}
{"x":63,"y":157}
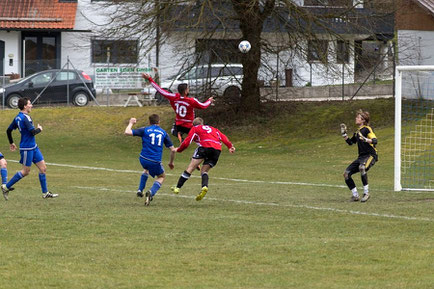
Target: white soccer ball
{"x":244,"y":46}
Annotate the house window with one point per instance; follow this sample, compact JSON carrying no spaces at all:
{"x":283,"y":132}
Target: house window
{"x":343,"y":51}
{"x":317,"y":50}
{"x":218,"y":51}
{"x":114,"y":51}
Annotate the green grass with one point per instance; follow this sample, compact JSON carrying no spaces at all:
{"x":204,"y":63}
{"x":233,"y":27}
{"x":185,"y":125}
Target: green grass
{"x":280,"y":228}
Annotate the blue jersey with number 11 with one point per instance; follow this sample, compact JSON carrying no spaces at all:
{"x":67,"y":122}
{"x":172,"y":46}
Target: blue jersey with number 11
{"x":153,"y":138}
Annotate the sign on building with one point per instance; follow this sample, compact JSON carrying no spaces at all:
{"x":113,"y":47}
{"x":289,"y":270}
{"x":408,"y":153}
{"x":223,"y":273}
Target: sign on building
{"x":120,"y":77}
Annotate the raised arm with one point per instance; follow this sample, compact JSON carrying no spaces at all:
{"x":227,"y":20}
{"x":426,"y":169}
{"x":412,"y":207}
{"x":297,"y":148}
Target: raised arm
{"x":203,"y":105}
{"x":163,"y":92}
{"x":128,"y":129}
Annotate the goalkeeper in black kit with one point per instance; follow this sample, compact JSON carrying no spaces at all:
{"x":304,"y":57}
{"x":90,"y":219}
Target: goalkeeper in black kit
{"x":366,"y":142}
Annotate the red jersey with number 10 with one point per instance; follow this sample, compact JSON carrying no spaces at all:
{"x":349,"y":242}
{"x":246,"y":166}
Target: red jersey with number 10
{"x":183,"y":106}
{"x":205,"y":136}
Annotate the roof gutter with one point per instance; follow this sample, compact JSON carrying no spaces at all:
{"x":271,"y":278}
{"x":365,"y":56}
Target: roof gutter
{"x":31,"y":19}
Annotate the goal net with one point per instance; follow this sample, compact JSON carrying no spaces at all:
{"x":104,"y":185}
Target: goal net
{"x":414,"y":115}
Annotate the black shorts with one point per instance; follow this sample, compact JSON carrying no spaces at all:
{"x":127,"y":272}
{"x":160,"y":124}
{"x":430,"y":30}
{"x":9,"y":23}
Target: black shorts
{"x":210,"y":155}
{"x":178,"y":128}
{"x":367,"y":161}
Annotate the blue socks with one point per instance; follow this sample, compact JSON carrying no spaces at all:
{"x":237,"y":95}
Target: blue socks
{"x":4,"y":173}
{"x":143,"y":180}
{"x":18,"y":176}
{"x":43,"y":181}
{"x":155,"y":187}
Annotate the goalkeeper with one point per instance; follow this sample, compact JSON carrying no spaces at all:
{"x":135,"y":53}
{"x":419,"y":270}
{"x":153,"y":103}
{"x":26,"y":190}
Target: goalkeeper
{"x":366,"y":142}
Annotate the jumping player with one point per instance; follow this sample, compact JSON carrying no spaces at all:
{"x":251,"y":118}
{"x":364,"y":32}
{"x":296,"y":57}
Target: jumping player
{"x":153,"y":138}
{"x":209,"y":140}
{"x":182,"y":104}
{"x":29,"y":150}
{"x":366,"y":142}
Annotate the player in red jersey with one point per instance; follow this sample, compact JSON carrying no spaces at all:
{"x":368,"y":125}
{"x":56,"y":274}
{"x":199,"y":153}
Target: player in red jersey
{"x":182,"y":104}
{"x":209,"y":140}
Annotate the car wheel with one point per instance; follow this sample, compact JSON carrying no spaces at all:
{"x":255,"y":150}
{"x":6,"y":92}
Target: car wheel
{"x":81,"y":98}
{"x":232,"y":95}
{"x":160,"y":98}
{"x":12,"y":100}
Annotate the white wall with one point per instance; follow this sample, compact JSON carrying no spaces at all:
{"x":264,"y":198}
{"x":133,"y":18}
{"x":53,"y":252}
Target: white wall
{"x":415,"y":47}
{"x":12,"y":48}
{"x":92,"y":16}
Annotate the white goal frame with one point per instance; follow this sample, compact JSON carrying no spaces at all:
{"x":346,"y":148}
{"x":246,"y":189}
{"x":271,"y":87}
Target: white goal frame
{"x":398,"y":120}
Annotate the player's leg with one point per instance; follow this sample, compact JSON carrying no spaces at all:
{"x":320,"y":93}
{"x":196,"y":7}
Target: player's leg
{"x":38,"y":159}
{"x":142,"y":183}
{"x":26,"y":161}
{"x":186,"y":174}
{"x":4,"y":176}
{"x":349,"y":171}
{"x":211,"y":159}
{"x":4,"y":170}
{"x":364,"y":166}
{"x":155,"y":170}
{"x":143,"y":177}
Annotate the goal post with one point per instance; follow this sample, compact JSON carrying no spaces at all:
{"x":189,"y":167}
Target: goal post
{"x":414,"y":117}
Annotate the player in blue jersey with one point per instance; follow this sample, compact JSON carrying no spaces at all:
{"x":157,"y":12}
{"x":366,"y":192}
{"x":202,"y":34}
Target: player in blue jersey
{"x":153,"y":139}
{"x":4,"y":173}
{"x":29,"y":150}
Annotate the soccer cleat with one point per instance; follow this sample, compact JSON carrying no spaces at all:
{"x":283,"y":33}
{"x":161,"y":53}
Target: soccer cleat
{"x":5,"y":191}
{"x":365,"y":197}
{"x":354,"y":199}
{"x":175,"y":190}
{"x":139,"y":194}
{"x":49,"y":195}
{"x":148,"y":198}
{"x":202,"y":193}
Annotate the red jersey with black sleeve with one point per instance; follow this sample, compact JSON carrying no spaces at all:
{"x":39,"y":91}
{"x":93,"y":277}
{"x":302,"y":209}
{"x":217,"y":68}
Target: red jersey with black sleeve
{"x":205,"y":136}
{"x":183,"y":106}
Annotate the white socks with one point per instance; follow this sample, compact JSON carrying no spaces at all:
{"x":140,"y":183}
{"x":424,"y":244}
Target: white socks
{"x":366,"y":189}
{"x":355,"y":193}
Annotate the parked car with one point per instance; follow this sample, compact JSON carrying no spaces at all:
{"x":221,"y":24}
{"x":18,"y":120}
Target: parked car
{"x":80,"y":86}
{"x":205,"y":81}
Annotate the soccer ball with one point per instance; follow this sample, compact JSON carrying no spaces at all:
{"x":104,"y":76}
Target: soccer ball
{"x":244,"y":46}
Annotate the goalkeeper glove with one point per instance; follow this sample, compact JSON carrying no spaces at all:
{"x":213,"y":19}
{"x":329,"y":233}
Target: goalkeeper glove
{"x":362,"y":138}
{"x":344,"y":130}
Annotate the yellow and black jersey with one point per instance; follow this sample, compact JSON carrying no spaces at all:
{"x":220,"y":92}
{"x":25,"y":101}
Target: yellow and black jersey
{"x":364,"y":147}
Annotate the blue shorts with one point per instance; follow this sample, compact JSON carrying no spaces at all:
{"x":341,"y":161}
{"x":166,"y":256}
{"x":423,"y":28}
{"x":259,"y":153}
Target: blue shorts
{"x":155,"y":169}
{"x":31,"y":156}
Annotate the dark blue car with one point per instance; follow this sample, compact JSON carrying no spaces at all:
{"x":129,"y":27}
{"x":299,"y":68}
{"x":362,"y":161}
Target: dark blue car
{"x":53,"y":84}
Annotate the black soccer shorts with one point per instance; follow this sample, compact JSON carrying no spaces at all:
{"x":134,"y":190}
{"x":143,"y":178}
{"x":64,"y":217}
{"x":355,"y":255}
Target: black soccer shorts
{"x":368,"y":161}
{"x":210,"y":155}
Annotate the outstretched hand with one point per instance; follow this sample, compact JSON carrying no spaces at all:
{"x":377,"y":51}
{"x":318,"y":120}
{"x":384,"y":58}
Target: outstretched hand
{"x":171,"y":166}
{"x":146,"y":76}
{"x":343,"y":129}
{"x":232,"y":150}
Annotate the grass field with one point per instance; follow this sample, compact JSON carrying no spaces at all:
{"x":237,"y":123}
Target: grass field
{"x":277,"y":214}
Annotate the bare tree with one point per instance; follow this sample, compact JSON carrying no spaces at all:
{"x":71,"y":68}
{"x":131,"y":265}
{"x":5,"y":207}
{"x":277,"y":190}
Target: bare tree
{"x":192,"y":22}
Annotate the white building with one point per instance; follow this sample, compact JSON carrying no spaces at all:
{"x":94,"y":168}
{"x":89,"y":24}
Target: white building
{"x":45,"y":34}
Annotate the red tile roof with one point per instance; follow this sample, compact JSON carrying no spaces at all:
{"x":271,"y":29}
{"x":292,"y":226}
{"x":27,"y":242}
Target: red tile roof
{"x":37,"y":14}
